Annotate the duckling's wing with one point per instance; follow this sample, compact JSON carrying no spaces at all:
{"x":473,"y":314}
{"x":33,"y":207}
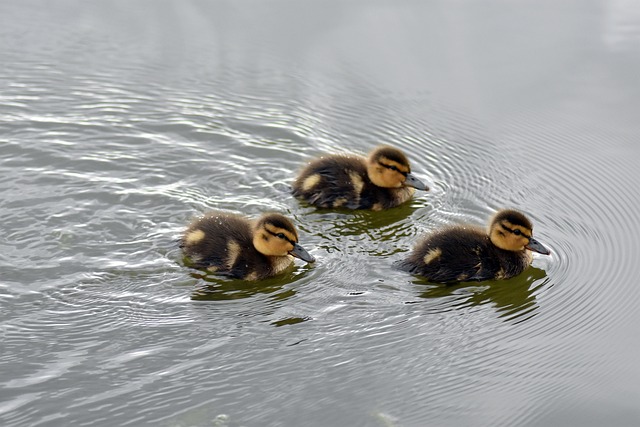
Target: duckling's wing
{"x":450,"y":255}
{"x":332,"y":182}
{"x":465,"y":255}
{"x":217,"y":241}
{"x":210,"y":261}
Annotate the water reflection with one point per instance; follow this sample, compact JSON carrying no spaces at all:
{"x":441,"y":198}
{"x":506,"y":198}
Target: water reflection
{"x":513,"y":298}
{"x":216,"y":288}
{"x":107,"y":327}
{"x":290,"y":321}
{"x":356,"y":222}
{"x":368,"y":232}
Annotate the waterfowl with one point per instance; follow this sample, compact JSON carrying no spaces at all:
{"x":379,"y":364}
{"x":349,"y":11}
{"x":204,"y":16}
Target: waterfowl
{"x":466,"y":253}
{"x":235,"y":246}
{"x":380,"y":181}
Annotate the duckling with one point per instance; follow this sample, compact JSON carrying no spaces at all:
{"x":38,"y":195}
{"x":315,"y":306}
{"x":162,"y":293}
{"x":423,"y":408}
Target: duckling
{"x":381,"y":181}
{"x":465,"y":253}
{"x":235,"y":246}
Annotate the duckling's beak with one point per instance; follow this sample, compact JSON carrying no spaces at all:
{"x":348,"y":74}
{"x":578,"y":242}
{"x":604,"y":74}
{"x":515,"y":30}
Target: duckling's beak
{"x":536,"y":246}
{"x":414,"y":182}
{"x":300,"y":252}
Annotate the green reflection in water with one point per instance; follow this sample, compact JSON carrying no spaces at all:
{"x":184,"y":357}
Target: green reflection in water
{"x":348,"y":222}
{"x":374,"y":233}
{"x":219,"y":288}
{"x":290,"y":321}
{"x":512,"y":298}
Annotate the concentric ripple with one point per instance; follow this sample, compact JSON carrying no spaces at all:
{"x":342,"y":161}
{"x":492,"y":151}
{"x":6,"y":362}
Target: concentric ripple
{"x":120,"y":123}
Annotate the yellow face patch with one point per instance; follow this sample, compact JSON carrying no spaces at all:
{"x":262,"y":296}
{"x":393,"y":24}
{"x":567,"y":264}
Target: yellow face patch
{"x":194,"y":237}
{"x":310,"y":182}
{"x":275,"y":230}
{"x":387,"y":173}
{"x":388,"y":163}
{"x":432,"y":255}
{"x":510,"y":237}
{"x":523,"y":230}
{"x":267,"y":242}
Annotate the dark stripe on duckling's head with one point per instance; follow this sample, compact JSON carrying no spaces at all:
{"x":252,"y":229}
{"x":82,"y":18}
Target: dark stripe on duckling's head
{"x":513,"y":217}
{"x":511,"y":230}
{"x":518,"y":231}
{"x":384,"y":155}
{"x":388,"y":167}
{"x":275,"y":223}
{"x":280,"y":233}
{"x":275,"y":235}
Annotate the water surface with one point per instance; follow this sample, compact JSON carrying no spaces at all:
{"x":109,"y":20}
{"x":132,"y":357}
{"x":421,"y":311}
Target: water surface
{"x":121,"y":121}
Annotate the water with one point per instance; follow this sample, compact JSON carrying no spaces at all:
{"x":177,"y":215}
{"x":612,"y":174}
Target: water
{"x":120,"y":121}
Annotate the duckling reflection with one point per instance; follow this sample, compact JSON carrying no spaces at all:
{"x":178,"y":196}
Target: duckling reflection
{"x":234,"y":246}
{"x":467,"y":253}
{"x":381,"y":181}
{"x":220,"y":289}
{"x":512,"y":299}
{"x":339,"y":225}
{"x":291,"y":321}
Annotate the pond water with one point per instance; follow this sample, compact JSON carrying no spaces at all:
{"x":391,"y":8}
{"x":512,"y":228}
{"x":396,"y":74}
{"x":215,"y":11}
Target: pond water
{"x":121,"y":121}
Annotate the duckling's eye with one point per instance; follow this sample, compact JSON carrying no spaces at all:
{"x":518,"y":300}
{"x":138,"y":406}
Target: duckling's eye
{"x":280,"y":235}
{"x":395,"y":168}
{"x":517,"y":232}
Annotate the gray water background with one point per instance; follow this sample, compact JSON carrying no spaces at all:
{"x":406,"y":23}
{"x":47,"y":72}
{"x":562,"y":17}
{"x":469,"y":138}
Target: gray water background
{"x":122,"y":120}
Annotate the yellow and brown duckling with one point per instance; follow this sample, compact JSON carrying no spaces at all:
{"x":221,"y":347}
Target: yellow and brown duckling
{"x":381,"y":181}
{"x":465,"y":253}
{"x":235,"y":246}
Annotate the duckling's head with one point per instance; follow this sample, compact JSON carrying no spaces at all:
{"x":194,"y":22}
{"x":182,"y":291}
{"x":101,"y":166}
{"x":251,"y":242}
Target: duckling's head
{"x":512,"y":231}
{"x":275,"y":235}
{"x":388,"y":167}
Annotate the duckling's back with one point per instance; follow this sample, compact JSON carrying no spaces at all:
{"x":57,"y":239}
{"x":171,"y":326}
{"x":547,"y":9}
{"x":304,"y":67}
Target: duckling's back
{"x":342,"y":181}
{"x":222,"y":243}
{"x":331,"y":182}
{"x":459,"y":254}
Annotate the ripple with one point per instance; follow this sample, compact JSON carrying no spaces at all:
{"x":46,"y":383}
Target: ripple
{"x":622,"y":24}
{"x":110,"y":147}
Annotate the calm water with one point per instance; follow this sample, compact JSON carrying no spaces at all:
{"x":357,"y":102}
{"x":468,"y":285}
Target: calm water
{"x":121,"y":120}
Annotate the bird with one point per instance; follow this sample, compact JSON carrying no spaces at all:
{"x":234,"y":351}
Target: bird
{"x":469,"y":253}
{"x":233,"y":245}
{"x":382,"y":180}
